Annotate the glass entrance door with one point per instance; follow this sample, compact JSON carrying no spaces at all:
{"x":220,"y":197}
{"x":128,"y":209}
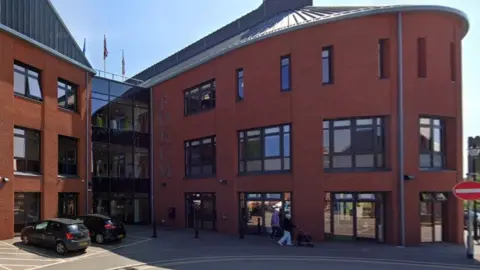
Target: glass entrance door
{"x":343,"y":220}
{"x":67,"y":204}
{"x":432,"y":208}
{"x":26,"y":209}
{"x":200,"y":208}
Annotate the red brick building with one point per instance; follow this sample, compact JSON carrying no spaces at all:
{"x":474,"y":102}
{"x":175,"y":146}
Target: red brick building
{"x":297,"y":107}
{"x":43,"y":80}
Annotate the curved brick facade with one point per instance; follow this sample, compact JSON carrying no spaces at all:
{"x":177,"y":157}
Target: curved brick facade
{"x":356,"y":92}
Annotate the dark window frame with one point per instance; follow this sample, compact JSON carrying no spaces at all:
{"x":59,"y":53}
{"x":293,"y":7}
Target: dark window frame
{"x":379,"y":149}
{"x":188,"y":157}
{"x":212,"y":89}
{"x":64,"y":164}
{"x":28,"y":137}
{"x":441,"y":126}
{"x":27,"y":74}
{"x":329,"y":58}
{"x":242,"y":137}
{"x":289,"y":67}
{"x":69,"y":89}
{"x":383,"y":51}
{"x":422,"y":57}
{"x":240,"y":84}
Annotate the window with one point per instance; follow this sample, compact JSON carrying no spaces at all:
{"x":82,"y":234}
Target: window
{"x":67,"y":95}
{"x":453,"y":62}
{"x":285,"y":73}
{"x":265,"y":149}
{"x":431,"y":143}
{"x":200,"y":160}
{"x":356,"y":143}
{"x":200,"y":98}
{"x":383,"y":51}
{"x":26,"y":150}
{"x":26,"y":81}
{"x":422,"y":57}
{"x":327,"y":65}
{"x":67,"y":156}
{"x":240,"y":90}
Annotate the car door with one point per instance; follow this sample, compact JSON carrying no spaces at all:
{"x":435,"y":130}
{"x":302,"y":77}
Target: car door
{"x":37,"y":236}
{"x":51,"y":233}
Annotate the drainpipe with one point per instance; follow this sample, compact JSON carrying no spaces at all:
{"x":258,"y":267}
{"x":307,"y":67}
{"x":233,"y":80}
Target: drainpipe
{"x":152,"y":179}
{"x":87,"y":144}
{"x":400,"y":133}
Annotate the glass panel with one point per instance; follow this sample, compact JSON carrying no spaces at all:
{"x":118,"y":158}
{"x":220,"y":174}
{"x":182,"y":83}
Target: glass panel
{"x":326,"y":142}
{"x":437,"y":140}
{"x":34,"y":87}
{"x":19,"y":83}
{"x":426,"y":233}
{"x":425,"y":121}
{"x":425,"y":140}
{"x":425,"y":160}
{"x":61,"y":97}
{"x":438,"y":161}
{"x":272,"y":146}
{"x":342,"y":140}
{"x":285,"y":77}
{"x":327,"y":217}
{"x":272,"y":130}
{"x":341,"y":123}
{"x":71,"y":101}
{"x":286,"y":144}
{"x":255,"y":216}
{"x":364,"y":122}
{"x":342,"y":161}
{"x":253,"y":149}
{"x":121,"y":161}
{"x":141,"y":163}
{"x":364,"y":161}
{"x":364,"y":138}
{"x":19,"y":147}
{"x":100,"y":160}
{"x":343,"y":218}
{"x":141,"y":118}
{"x":366,"y":220}
{"x":326,"y":70}
{"x":286,"y":128}
{"x":254,"y":166}
{"x":121,"y":117}
{"x":118,"y":89}
{"x":273,"y":164}
{"x":253,"y":133}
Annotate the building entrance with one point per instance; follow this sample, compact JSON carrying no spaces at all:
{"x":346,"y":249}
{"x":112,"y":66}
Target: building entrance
{"x":433,"y":207}
{"x":67,"y":204}
{"x":354,"y":216}
{"x":26,"y":209}
{"x":256,"y":210}
{"x":200,"y":211}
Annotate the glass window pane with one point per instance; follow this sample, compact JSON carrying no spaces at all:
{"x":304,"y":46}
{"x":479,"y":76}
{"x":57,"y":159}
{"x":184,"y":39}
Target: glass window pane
{"x":71,"y":101}
{"x":19,"y":83}
{"x":253,"y":133}
{"x":325,"y":53}
{"x":325,"y":70}
{"x":272,"y":130}
{"x":34,"y":87}
{"x":19,"y":68}
{"x":425,"y":121}
{"x":61,"y":97}
{"x":19,"y":147}
{"x":437,"y":140}
{"x":342,"y":140}
{"x":342,"y":161}
{"x":364,"y":161}
{"x":272,"y":146}
{"x":254,"y":166}
{"x":273,"y":164}
{"x":437,"y":160}
{"x":286,"y":144}
{"x":341,"y":123}
{"x":363,"y":122}
{"x":425,"y":140}
{"x":326,"y":142}
{"x":286,"y":128}
{"x":286,"y":163}
{"x":364,"y":139}
{"x":425,"y":160}
{"x":326,"y":162}
{"x":285,"y":77}
{"x":253,"y":149}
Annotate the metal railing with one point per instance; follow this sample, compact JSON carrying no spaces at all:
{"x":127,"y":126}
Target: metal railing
{"x":117,"y":77}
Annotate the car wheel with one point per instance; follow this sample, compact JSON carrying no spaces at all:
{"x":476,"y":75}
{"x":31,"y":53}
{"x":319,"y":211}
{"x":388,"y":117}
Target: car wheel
{"x":60,"y":248}
{"x":99,"y":238}
{"x":25,"y":239}
{"x":83,"y":250}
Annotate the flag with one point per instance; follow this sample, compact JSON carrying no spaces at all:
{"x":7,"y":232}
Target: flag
{"x":123,"y":64}
{"x":105,"y":51}
{"x":84,"y":45}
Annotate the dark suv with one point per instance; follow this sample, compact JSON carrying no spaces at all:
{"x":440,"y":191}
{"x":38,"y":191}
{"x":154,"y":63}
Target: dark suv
{"x":60,"y":233}
{"x":103,"y":228}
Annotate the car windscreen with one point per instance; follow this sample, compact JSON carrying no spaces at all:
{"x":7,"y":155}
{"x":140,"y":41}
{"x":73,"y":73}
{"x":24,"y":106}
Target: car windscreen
{"x":75,"y":228}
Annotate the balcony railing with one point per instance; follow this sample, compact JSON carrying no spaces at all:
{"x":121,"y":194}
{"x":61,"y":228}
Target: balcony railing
{"x":119,"y":78}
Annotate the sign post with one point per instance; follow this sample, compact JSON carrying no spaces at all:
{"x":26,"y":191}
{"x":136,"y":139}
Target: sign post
{"x":468,"y":191}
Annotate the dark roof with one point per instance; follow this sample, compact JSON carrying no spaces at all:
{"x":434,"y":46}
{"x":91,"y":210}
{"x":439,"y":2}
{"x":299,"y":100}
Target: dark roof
{"x":264,"y":22}
{"x":98,"y":215}
{"x":39,"y":23}
{"x":66,"y":221}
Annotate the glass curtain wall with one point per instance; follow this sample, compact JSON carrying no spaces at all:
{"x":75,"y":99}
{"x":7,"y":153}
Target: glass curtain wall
{"x":120,"y":151}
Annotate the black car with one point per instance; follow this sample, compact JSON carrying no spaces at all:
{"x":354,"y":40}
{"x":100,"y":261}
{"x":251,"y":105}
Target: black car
{"x":60,"y":233}
{"x":103,"y":228}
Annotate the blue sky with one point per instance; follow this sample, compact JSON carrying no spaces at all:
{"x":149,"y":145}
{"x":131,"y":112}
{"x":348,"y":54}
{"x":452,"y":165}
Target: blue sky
{"x":151,"y":30}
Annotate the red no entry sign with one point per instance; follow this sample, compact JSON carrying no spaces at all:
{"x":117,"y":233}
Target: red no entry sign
{"x":467,"y":191}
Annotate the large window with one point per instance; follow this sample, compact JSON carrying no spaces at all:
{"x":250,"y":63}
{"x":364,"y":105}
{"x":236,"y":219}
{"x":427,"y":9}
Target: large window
{"x":67,"y":156}
{"x":26,"y":150}
{"x":200,"y":160}
{"x":240,"y":90}
{"x":353,"y":143}
{"x":265,"y":149}
{"x":431,"y":143}
{"x":67,"y":95}
{"x":200,"y":98}
{"x":327,"y":65}
{"x":26,"y":81}
{"x":285,"y":73}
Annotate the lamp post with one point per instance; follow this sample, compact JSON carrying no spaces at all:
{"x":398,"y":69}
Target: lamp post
{"x":473,"y":152}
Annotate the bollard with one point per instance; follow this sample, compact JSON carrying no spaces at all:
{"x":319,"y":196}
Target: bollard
{"x":259,"y":227}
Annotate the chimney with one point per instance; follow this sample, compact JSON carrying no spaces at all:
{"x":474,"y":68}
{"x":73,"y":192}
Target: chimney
{"x":273,"y":7}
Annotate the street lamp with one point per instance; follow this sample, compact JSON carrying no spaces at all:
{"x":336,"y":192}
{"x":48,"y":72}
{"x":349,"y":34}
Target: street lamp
{"x":473,"y":153}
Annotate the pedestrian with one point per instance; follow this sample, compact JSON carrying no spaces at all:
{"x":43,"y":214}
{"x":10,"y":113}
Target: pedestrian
{"x":275,"y":223}
{"x":287,"y":231}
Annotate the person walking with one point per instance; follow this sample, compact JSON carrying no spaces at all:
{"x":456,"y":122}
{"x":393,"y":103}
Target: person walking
{"x":275,"y":223}
{"x":287,"y":231}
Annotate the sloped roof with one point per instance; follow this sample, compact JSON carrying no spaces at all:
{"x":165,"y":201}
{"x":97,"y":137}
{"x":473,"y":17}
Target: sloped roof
{"x":207,"y":49}
{"x":38,"y":23}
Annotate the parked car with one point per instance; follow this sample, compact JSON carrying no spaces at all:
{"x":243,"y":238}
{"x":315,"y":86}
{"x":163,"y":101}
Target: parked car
{"x":103,"y":228}
{"x":63,"y":234}
{"x":465,"y":218}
